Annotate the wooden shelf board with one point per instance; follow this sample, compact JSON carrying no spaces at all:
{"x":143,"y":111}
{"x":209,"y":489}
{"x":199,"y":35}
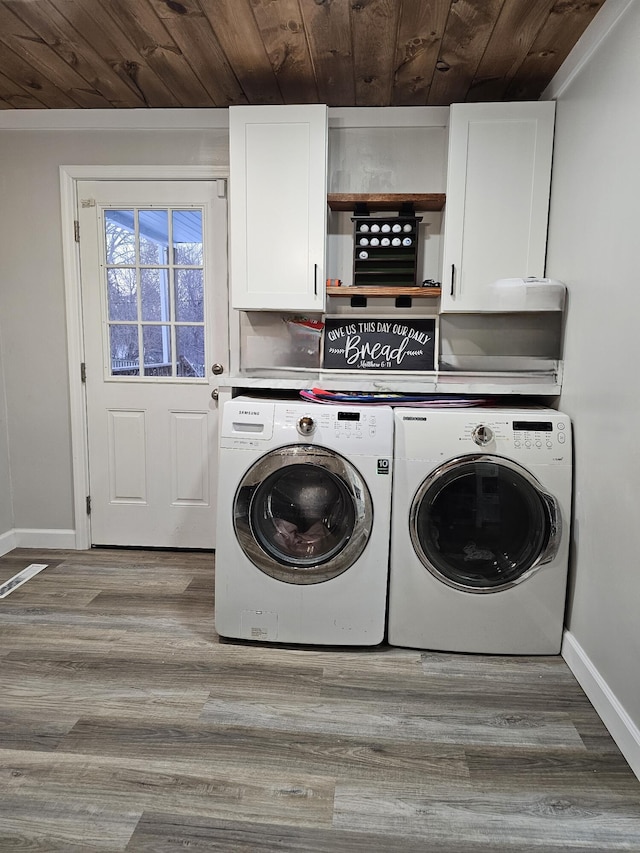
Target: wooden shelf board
{"x":386,"y":201}
{"x":382,"y":291}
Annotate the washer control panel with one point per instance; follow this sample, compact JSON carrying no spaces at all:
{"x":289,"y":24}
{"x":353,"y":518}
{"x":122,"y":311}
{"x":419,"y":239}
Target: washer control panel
{"x":343,"y":424}
{"x":349,"y":429}
{"x":254,"y":424}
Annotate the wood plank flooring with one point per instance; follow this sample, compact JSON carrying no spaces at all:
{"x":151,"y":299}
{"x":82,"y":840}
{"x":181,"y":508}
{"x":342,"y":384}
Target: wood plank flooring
{"x":126,"y":724}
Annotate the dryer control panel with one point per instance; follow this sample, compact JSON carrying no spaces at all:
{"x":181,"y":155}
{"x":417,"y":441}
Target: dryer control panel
{"x":533,"y":435}
{"x":542,"y":437}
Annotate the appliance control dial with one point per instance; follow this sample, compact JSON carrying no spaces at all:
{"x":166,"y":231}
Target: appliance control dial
{"x":482,"y":434}
{"x":306,"y":425}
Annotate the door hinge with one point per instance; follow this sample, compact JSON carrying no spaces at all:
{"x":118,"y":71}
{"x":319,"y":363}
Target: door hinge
{"x":88,"y":504}
{"x":221,"y":188}
{"x":76,"y":230}
{"x":83,"y":372}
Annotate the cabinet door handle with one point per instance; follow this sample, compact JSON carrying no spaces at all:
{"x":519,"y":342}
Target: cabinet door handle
{"x":453,"y":279}
{"x":315,"y":279}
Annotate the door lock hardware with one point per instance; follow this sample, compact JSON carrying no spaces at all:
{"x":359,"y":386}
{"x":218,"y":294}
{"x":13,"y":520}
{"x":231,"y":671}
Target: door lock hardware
{"x":217,"y":368}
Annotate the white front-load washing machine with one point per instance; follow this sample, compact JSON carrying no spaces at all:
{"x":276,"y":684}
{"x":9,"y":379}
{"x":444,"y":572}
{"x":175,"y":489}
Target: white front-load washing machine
{"x":480,"y":529}
{"x":303,"y":528}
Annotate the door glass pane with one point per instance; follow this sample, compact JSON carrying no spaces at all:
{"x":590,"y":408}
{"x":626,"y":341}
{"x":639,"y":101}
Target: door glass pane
{"x":120,"y":236}
{"x":190,"y":350}
{"x":302,"y":515}
{"x":122,"y":294}
{"x":481,"y":525}
{"x":156,"y":342}
{"x":154,"y":236}
{"x":124,"y":350}
{"x":154,"y":284}
{"x":189,"y":296}
{"x":187,"y":237}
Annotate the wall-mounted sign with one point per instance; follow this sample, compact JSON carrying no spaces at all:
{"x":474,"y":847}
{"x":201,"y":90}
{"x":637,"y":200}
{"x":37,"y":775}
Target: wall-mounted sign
{"x":379,"y":344}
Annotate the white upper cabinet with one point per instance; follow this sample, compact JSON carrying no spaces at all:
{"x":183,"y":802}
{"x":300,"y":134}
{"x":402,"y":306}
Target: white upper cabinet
{"x":278,"y":207}
{"x":498,"y":181}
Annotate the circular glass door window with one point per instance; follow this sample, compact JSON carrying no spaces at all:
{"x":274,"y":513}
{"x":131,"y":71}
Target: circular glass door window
{"x":303,"y":514}
{"x":482,"y":524}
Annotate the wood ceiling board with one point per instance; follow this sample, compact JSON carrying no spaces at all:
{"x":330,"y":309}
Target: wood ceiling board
{"x":99,"y":27}
{"x":213,"y":53}
{"x":420,"y":35}
{"x":564,"y":26}
{"x":374,"y":24}
{"x":191,"y":31}
{"x":16,"y":97}
{"x":56,"y":31}
{"x":236,"y":30}
{"x":31,"y":80}
{"x":282,"y":30}
{"x":328,"y":27}
{"x":468,"y":30}
{"x":34,"y":50}
{"x":153,"y":41}
{"x":516,"y":30}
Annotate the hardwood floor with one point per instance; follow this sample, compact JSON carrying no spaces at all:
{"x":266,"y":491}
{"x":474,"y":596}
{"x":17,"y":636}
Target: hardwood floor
{"x":127,"y":725}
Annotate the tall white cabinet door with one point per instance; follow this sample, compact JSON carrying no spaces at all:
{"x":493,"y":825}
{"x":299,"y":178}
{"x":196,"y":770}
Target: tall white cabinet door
{"x":498,"y":183}
{"x":278,"y":207}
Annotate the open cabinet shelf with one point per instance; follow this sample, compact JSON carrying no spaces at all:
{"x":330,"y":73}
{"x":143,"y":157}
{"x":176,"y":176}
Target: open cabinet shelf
{"x":386,"y":201}
{"x":386,"y":292}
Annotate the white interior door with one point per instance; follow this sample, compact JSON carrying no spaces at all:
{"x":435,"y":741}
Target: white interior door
{"x":153,"y":262}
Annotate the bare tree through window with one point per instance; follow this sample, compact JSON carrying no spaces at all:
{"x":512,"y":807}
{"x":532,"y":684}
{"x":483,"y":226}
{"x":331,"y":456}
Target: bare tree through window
{"x":155,"y":292}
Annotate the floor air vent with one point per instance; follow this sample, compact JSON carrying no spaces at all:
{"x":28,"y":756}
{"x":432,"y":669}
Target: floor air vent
{"x":22,"y":577}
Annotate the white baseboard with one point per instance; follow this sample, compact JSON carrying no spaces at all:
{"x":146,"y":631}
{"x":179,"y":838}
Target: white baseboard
{"x":34,"y":538}
{"x":620,"y":725}
{"x":7,"y":542}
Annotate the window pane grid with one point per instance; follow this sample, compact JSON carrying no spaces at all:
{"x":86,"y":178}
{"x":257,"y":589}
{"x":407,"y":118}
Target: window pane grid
{"x":154,"y":265}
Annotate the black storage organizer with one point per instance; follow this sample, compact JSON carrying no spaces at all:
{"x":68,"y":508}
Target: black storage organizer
{"x":392,"y":259}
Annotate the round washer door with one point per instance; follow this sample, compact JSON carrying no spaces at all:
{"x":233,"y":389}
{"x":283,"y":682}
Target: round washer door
{"x":302,"y":514}
{"x":483,"y":524}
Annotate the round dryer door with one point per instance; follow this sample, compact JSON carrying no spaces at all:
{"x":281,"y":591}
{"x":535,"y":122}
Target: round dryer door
{"x":483,"y":524}
{"x":302,"y":514}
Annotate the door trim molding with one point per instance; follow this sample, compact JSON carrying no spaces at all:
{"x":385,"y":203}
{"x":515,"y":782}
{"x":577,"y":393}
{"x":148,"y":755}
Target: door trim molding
{"x":69,"y":177}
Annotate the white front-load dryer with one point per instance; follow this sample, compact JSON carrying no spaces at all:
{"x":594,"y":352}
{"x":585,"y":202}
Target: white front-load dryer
{"x":303,"y":526}
{"x":480,"y":529}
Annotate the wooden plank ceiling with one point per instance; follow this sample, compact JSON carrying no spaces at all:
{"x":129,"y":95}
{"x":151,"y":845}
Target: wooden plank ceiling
{"x":97,"y":54}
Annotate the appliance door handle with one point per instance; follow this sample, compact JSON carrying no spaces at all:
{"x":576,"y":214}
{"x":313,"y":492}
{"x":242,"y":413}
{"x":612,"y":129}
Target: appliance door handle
{"x":555,"y":528}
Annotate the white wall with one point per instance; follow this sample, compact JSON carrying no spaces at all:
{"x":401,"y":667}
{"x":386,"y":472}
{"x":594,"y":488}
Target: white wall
{"x":6,"y":509}
{"x":594,"y":246}
{"x":32,"y":306}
